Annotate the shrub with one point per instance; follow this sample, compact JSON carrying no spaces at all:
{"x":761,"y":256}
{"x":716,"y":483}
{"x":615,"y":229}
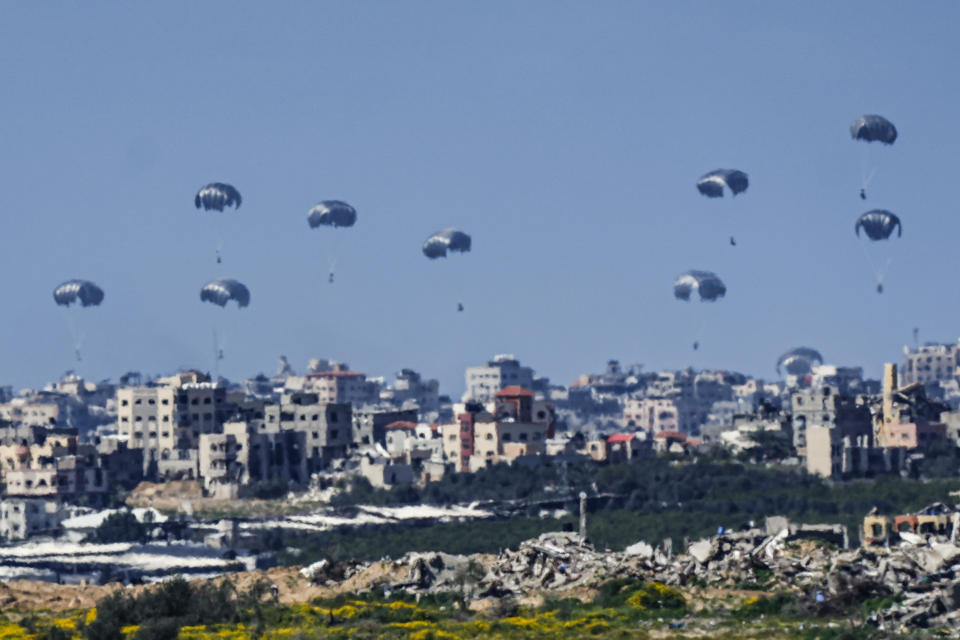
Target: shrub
{"x":657,"y":597}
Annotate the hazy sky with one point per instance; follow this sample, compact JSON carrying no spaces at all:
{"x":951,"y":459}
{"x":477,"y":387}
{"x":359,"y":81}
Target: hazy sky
{"x":566,"y":137}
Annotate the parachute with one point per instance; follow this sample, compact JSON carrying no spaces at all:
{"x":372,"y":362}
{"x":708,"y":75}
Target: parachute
{"x":712,"y":184}
{"x":705,"y":283}
{"x":878,"y":224}
{"x":439,"y":243}
{"x":331,"y":213}
{"x":223,"y":290}
{"x":799,"y":361}
{"x":82,"y":291}
{"x":873,"y":128}
{"x":217,"y":195}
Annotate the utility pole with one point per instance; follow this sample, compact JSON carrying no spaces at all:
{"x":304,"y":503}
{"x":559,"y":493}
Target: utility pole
{"x":583,"y":515}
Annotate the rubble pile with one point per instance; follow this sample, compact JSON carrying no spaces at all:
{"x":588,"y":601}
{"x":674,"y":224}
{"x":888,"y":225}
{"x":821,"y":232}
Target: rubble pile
{"x":915,"y":582}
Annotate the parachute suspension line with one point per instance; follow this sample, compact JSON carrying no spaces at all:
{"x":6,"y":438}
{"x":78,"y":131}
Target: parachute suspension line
{"x":868,"y":168}
{"x":878,"y":272}
{"x":219,"y":232}
{"x":699,"y":334}
{"x":76,"y":336}
{"x":217,"y":354}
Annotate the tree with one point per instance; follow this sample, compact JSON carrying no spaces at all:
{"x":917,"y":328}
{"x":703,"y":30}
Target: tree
{"x":121,"y":526}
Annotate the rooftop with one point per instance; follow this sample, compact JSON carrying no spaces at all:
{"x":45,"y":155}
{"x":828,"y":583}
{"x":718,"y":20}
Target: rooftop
{"x":514,"y":391}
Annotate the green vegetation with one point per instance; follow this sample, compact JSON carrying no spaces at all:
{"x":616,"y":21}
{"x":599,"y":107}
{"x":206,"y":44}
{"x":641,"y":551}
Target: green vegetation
{"x":161,"y":612}
{"x":121,"y":526}
{"x":620,"y":609}
{"x":649,"y":500}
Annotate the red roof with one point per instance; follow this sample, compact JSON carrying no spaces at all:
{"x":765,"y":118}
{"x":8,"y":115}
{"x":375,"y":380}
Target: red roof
{"x":694,"y":442}
{"x":514,"y":391}
{"x":672,"y":435}
{"x":621,"y":437}
{"x":401,"y":424}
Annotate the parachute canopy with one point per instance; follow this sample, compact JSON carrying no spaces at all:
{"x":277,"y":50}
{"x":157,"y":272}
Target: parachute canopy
{"x":331,"y":213}
{"x":705,"y":283}
{"x":878,"y":224}
{"x":437,"y":245}
{"x":217,"y":195}
{"x":873,"y":128}
{"x":223,"y":290}
{"x":799,"y":361}
{"x":712,"y":184}
{"x":82,"y":291}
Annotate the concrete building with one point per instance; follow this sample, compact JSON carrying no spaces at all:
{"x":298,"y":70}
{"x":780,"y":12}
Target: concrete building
{"x":508,"y":428}
{"x":410,"y":388}
{"x":369,"y":422}
{"x":21,"y":518}
{"x":626,"y":447}
{"x":826,"y":406}
{"x":831,"y":455}
{"x":930,"y":363}
{"x":29,"y":412}
{"x":383,"y":472}
{"x":906,"y":417}
{"x":504,"y":370}
{"x":692,"y":396}
{"x":242,"y":455}
{"x":167,"y":421}
{"x":651,"y":414}
{"x":327,"y":427}
{"x":342,"y":386}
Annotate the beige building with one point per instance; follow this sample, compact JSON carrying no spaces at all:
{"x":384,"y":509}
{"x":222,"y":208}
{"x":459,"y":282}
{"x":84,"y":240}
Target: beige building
{"x":342,"y":386}
{"x":384,"y":472}
{"x":167,"y":421}
{"x":241,"y":456}
{"x":24,"y":412}
{"x":327,"y":426}
{"x":653,"y":414}
{"x":930,"y":363}
{"x":21,"y":518}
{"x":514,"y":424}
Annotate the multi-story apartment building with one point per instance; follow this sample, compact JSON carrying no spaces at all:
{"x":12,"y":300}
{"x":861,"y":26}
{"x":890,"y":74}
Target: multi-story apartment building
{"x":167,"y":421}
{"x":242,"y":454}
{"x":342,"y":386}
{"x":327,"y":426}
{"x":30,"y":412}
{"x":677,"y":401}
{"x":502,"y":431}
{"x":652,"y":414}
{"x":930,"y":363}
{"x":370,"y":422}
{"x":504,"y":370}
{"x":410,"y":387}
{"x":827,"y":407}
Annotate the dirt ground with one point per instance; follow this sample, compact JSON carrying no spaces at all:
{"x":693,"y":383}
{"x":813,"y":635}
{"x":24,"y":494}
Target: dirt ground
{"x":187,"y":496}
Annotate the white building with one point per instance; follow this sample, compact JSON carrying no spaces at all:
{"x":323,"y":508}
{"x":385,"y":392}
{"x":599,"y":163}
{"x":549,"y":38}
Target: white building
{"x":504,"y":370}
{"x":21,"y":518}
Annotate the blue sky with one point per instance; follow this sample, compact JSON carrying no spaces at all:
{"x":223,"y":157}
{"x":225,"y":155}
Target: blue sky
{"x":566,"y":137}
